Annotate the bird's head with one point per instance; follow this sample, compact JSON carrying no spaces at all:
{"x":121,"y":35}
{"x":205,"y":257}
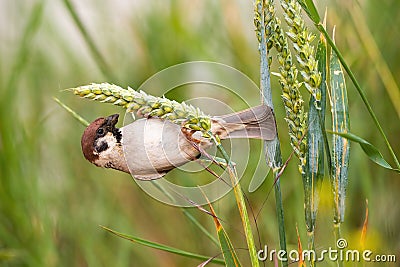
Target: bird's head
{"x":101,"y":142}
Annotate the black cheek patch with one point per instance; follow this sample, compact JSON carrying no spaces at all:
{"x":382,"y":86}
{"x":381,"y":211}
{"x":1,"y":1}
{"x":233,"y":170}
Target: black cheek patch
{"x":103,"y":146}
{"x":117,"y":133}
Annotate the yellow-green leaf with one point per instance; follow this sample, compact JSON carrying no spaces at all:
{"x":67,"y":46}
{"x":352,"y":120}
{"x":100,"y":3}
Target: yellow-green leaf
{"x":231,"y":259}
{"x":340,"y":145}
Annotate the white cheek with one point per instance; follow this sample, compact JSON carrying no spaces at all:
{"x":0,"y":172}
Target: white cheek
{"x":113,"y":154}
{"x":109,"y":139}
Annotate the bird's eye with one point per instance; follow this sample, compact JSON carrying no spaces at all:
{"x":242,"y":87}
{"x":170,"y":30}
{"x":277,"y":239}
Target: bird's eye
{"x":100,"y":131}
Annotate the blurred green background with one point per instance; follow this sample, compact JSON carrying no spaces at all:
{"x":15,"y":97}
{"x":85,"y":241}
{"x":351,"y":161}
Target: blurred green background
{"x":52,"y":201}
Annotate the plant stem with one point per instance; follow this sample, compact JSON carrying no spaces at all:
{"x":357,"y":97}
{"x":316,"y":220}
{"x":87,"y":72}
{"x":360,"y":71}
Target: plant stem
{"x":187,"y":214}
{"x":198,"y":225}
{"x":72,"y":112}
{"x":240,"y":202}
{"x":272,"y":148}
{"x":279,"y":213}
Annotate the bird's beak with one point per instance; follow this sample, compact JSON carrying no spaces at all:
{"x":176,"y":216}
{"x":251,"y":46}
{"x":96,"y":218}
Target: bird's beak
{"x":112,"y":120}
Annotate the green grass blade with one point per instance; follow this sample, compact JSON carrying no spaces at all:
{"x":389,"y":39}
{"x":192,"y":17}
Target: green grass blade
{"x":340,"y":145}
{"x":310,"y":9}
{"x":228,"y":251}
{"x":371,"y":151}
{"x":162,"y":247}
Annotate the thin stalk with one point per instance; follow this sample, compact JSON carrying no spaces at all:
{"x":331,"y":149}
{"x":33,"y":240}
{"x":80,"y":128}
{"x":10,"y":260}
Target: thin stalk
{"x":188,"y":215}
{"x":198,"y":225}
{"x":272,"y":148}
{"x":72,"y":112}
{"x":240,"y":202}
{"x":280,"y":215}
{"x":360,"y":91}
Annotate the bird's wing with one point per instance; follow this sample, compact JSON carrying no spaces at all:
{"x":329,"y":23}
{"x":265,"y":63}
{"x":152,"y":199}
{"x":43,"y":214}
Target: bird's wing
{"x":256,"y":122}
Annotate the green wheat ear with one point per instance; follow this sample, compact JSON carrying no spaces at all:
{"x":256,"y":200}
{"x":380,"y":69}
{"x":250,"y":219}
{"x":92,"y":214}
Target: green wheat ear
{"x":296,"y":117}
{"x":301,"y":38}
{"x":146,"y":105}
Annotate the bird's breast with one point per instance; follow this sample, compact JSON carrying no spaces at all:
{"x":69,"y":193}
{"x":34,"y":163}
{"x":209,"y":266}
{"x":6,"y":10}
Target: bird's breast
{"x":153,"y":146}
